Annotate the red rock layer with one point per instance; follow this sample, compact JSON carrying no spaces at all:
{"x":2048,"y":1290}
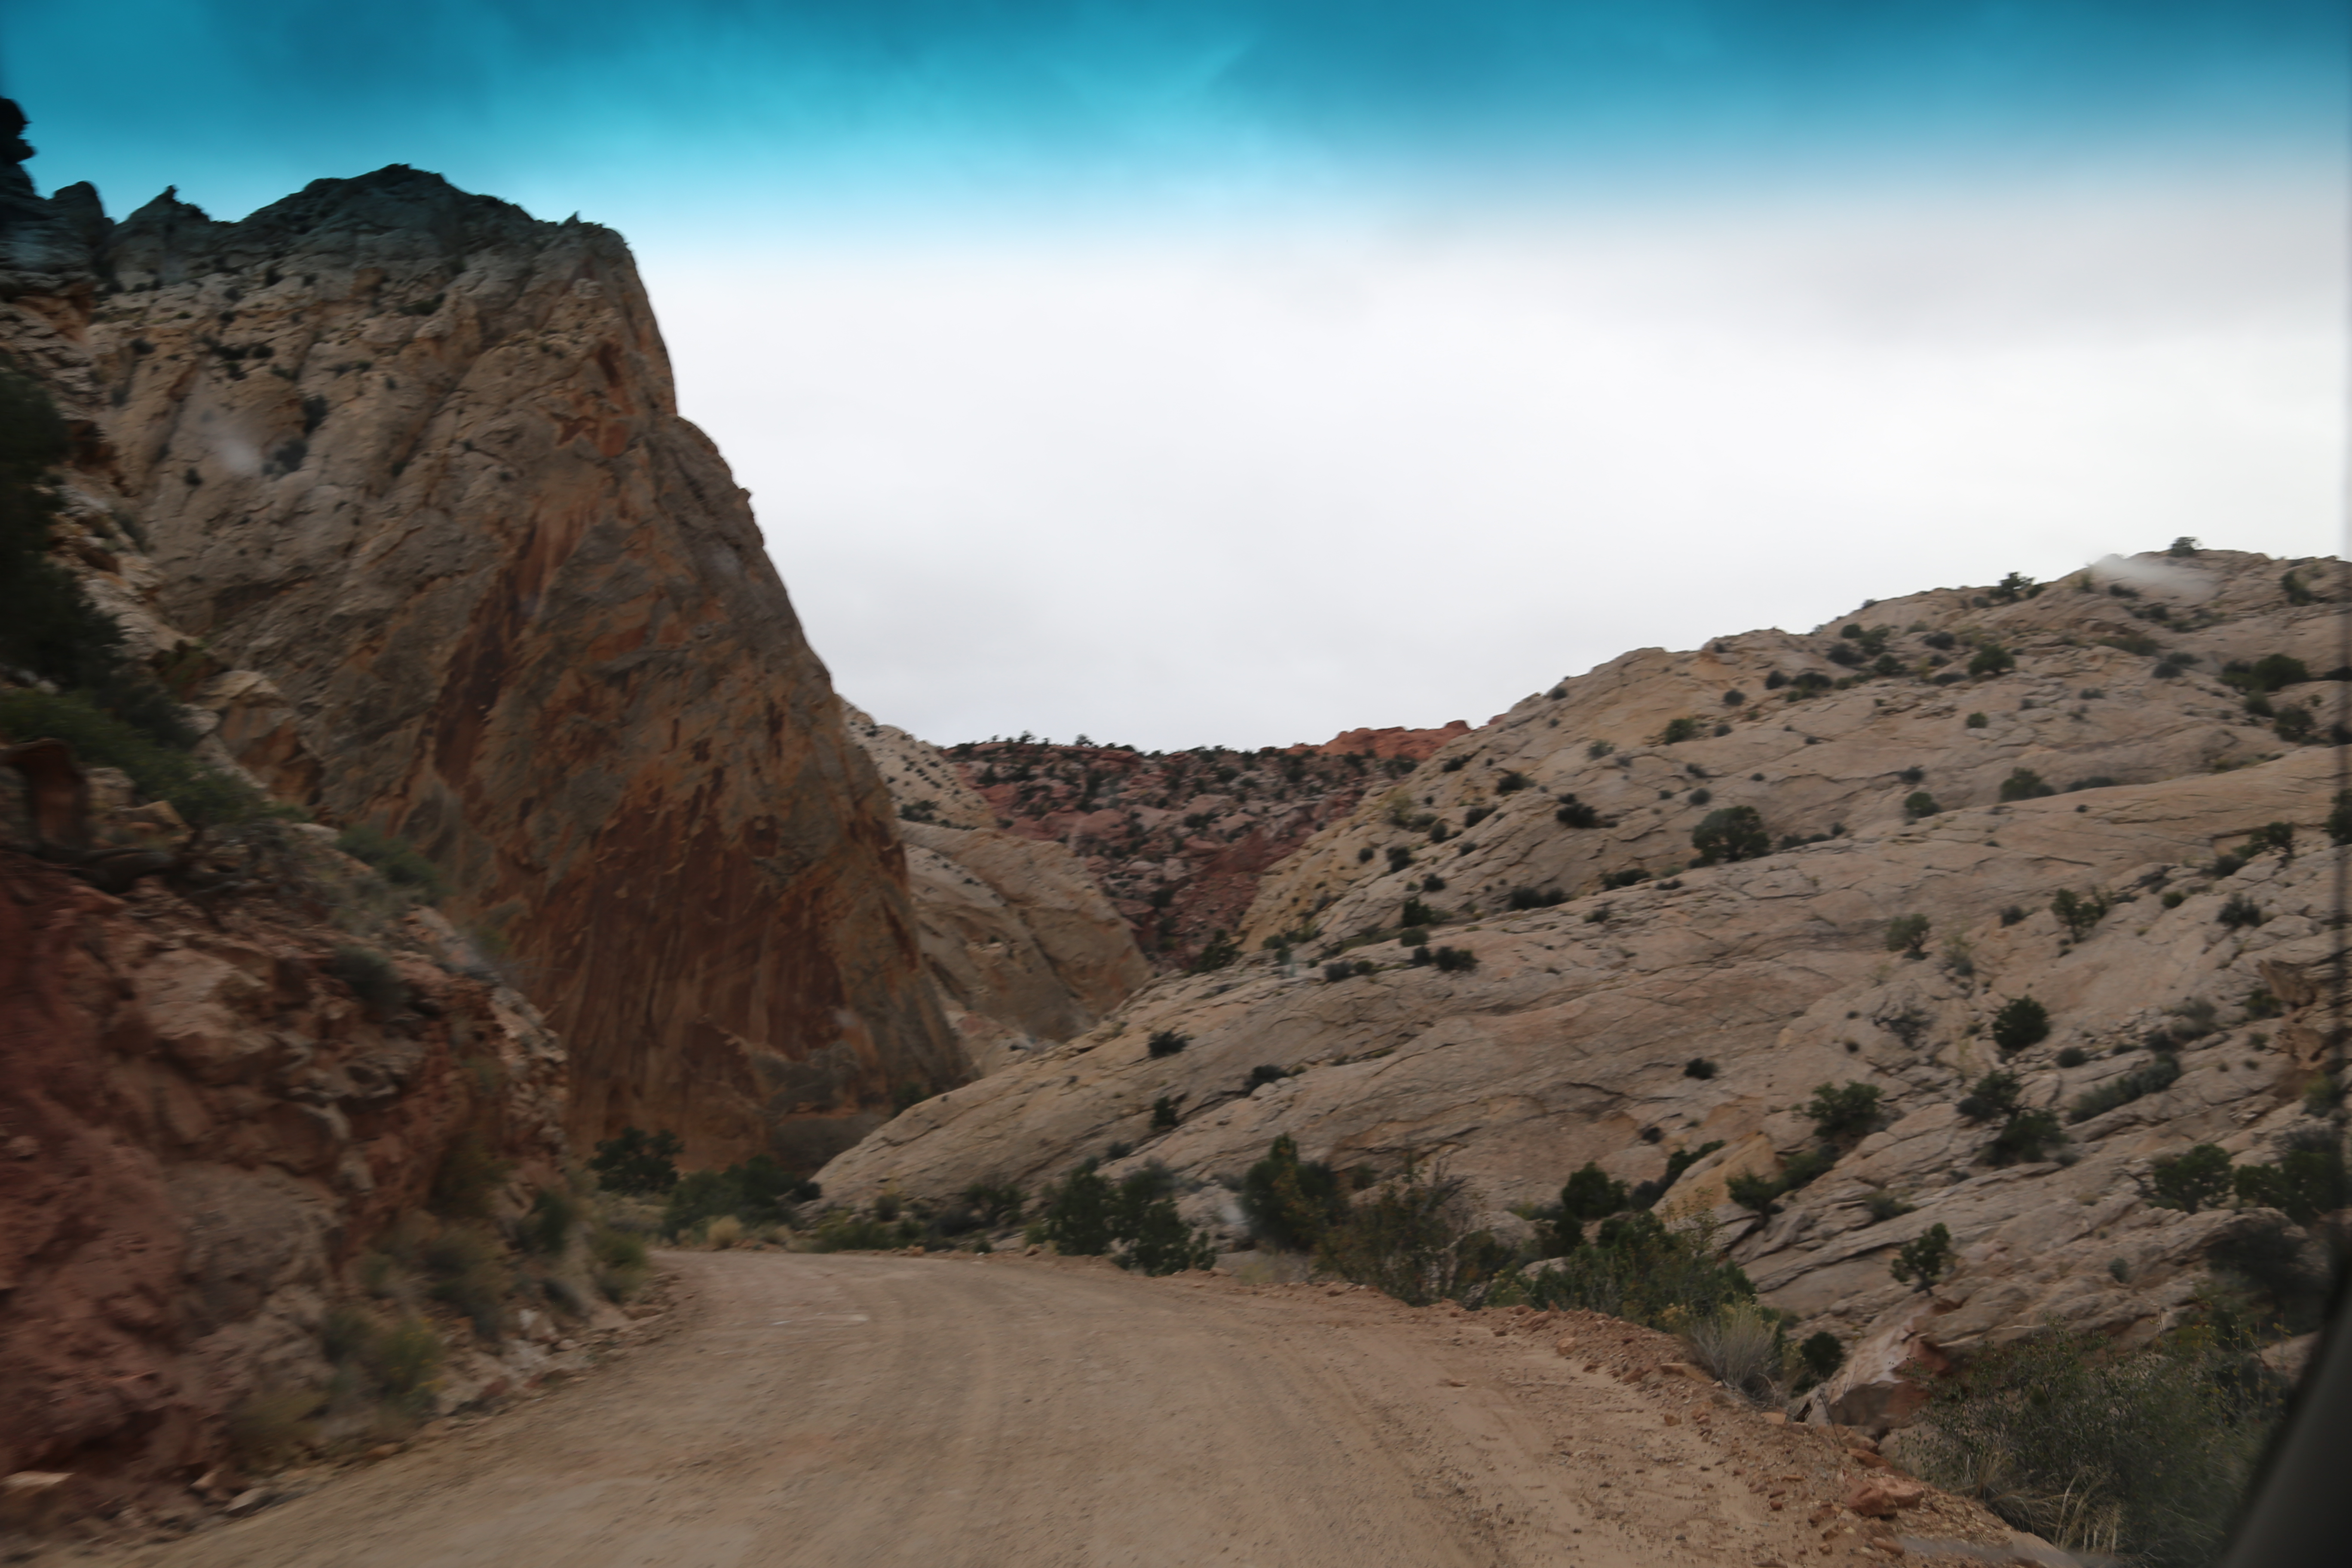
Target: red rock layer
{"x":198,"y":1129}
{"x":416,"y":458}
{"x":1418,"y":745}
{"x":1180,"y":840}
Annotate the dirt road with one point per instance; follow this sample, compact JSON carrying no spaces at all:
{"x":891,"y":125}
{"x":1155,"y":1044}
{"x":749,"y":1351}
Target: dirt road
{"x":836,"y":1410}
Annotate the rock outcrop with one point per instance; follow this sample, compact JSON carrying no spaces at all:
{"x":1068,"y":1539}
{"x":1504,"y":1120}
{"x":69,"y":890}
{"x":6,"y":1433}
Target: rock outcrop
{"x":410,"y":460}
{"x":1620,"y":1001}
{"x":1024,"y":948}
{"x":201,"y":1126}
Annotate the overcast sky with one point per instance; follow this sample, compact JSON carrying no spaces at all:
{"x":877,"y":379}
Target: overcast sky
{"x":1241,"y":372}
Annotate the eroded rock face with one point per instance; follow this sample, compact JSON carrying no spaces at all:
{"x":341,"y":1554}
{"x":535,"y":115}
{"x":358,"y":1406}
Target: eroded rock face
{"x":199,"y":1129}
{"x":411,"y":461}
{"x":1024,"y":948}
{"x":1707,"y":1003}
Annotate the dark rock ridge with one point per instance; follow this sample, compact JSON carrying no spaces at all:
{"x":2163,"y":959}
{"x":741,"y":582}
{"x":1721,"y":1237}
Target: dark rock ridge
{"x":414,"y":456}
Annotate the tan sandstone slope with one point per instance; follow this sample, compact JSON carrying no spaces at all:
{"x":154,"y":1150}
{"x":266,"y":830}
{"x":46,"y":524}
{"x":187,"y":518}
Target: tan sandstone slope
{"x":1019,"y":938}
{"x":411,"y":460}
{"x":1569,"y":1039}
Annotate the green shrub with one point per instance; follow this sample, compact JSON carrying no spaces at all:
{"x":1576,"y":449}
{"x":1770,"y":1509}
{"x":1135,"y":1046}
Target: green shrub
{"x":1752,"y":1191}
{"x":1534,"y":897}
{"x":467,"y":1178}
{"x":638,"y":1161}
{"x":1995,"y":1094}
{"x":1512,"y":781}
{"x":468,"y":1274}
{"x":1883,"y":1205}
{"x":2278,"y":835}
{"x":1977,"y":721}
{"x":1806,"y":1166}
{"x":2239,"y":911}
{"x":2308,"y":1181}
{"x":2158,"y":1075}
{"x":1166,"y":1043}
{"x":1731,"y":833}
{"x":2027,"y":1137}
{"x":846,"y":1230}
{"x":1290,"y":1203}
{"x":547,"y":1230}
{"x":2139,"y":1454}
{"x":2198,"y":1178}
{"x":1591,"y":1195}
{"x":1645,"y":1195}
{"x":1920,"y":804}
{"x":1400,"y":857}
{"x":1925,"y":1259}
{"x":1822,"y":1354}
{"x":1907,"y":934}
{"x":1991,"y":658}
{"x":2078,"y":912}
{"x":1219,"y":951}
{"x":1574,"y":813}
{"x":1677,"y":730}
{"x":2340,"y":819}
{"x":2019,"y":1024}
{"x":1698,"y":1067}
{"x":1416,"y":913}
{"x":2024,"y":783}
{"x":2294,"y":726}
{"x":1163,"y":1109}
{"x":1412,"y":1239}
{"x":1637,"y":1268}
{"x":403,"y":1358}
{"x":371,"y":979}
{"x":398,"y":860}
{"x":1843,"y":1110}
{"x":2073,"y":1056}
{"x":1741,"y":1344}
{"x":1454,"y":960}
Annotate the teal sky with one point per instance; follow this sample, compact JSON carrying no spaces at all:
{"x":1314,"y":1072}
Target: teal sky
{"x":1305,"y":333}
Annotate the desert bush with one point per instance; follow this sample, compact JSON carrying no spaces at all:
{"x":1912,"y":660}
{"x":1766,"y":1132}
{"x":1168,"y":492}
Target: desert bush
{"x":2188,"y":1182}
{"x":1400,"y":857}
{"x":1731,"y":833}
{"x":1454,"y":960}
{"x":637,"y":1161}
{"x":1698,"y":1067}
{"x":2024,"y":783}
{"x":1624,"y":878}
{"x":1843,"y":1110}
{"x":2027,"y":1136}
{"x":2020,"y":1023}
{"x":2158,"y":1075}
{"x":1574,"y":813}
{"x":1219,"y":951}
{"x":1821,"y":1354}
{"x":1412,"y":1239}
{"x":1512,"y":781}
{"x":269,"y":1426}
{"x":2141,"y":1455}
{"x":1740,"y":1343}
{"x":1163,"y":1109}
{"x":1806,"y":1166}
{"x":547,"y":1229}
{"x":1289,"y":1202}
{"x":1991,"y":658}
{"x":1679,"y":730}
{"x":846,"y":1230}
{"x":2073,"y":1056}
{"x":1883,"y":1205}
{"x":2308,"y":1180}
{"x":1534,"y":897}
{"x":1907,"y":934}
{"x":1925,"y":1260}
{"x":468,"y":1273}
{"x":1995,"y":1094}
{"x":1920,"y":804}
{"x":467,"y":1178}
{"x":1166,"y":1043}
{"x":1637,"y":1268}
{"x":1754,"y":1191}
{"x":2239,"y":912}
{"x":2078,"y":912}
{"x":1645,"y":1195}
{"x":1589,"y":1194}
{"x":400,"y":861}
{"x":723,"y":1232}
{"x":1416,"y":913}
{"x":1977,"y":721}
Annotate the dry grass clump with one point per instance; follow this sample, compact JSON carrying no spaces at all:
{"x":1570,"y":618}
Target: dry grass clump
{"x":1740,"y":1343}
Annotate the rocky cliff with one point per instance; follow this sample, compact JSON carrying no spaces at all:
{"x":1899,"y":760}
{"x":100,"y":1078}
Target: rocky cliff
{"x":1016,"y":934}
{"x":2126,"y":737}
{"x":412,"y":460}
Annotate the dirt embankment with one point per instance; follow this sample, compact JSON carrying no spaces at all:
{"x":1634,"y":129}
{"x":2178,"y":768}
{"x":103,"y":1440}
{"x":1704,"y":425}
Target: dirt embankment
{"x":812,"y":1409}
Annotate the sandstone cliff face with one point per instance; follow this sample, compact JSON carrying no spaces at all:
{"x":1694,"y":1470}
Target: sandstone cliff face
{"x":200,"y":1128}
{"x":1570,"y":1038}
{"x":1019,"y":941}
{"x":412,"y":461}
